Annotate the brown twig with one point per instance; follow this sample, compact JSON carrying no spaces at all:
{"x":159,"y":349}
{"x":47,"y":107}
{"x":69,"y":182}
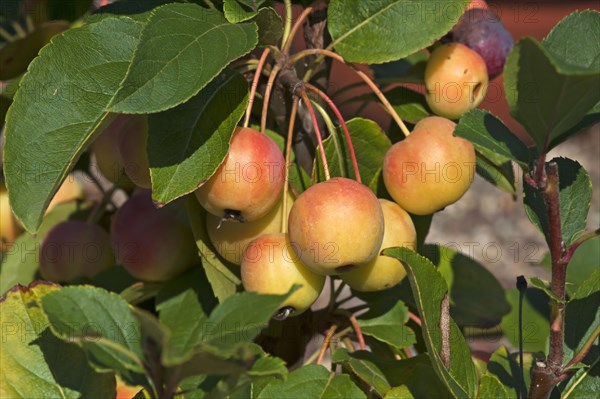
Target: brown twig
{"x":445,"y":330}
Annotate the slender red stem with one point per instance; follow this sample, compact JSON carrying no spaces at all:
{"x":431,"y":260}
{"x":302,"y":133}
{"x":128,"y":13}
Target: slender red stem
{"x":358,"y":331}
{"x":267,"y":97}
{"x":306,"y":53}
{"x":288,"y":157}
{"x":415,"y":318}
{"x":259,"y":67}
{"x":288,"y":44}
{"x":313,"y":116}
{"x":338,"y":115}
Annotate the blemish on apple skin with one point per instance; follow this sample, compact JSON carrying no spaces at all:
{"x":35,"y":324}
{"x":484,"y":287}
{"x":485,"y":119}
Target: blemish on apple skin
{"x":465,"y":71}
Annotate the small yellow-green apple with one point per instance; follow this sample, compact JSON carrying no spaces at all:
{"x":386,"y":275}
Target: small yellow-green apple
{"x":384,"y":272}
{"x":106,"y":153}
{"x":230,"y":238}
{"x":249,"y":181}
{"x":270,"y":266}
{"x":10,"y":228}
{"x":456,"y":80}
{"x":152,"y":244}
{"x":73,"y":249}
{"x":132,"y":149}
{"x":336,"y":225}
{"x":430,"y":169}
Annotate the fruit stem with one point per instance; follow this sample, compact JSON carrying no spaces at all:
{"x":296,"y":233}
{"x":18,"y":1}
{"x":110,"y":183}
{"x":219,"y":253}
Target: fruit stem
{"x":261,"y":63}
{"x":338,"y":115}
{"x":288,"y":158}
{"x":100,"y":207}
{"x":302,"y":93}
{"x":289,"y":39}
{"x":332,"y":134}
{"x":415,"y":318}
{"x":267,"y":97}
{"x":326,"y":342}
{"x":358,"y":331}
{"x":306,"y":53}
{"x":288,"y":20}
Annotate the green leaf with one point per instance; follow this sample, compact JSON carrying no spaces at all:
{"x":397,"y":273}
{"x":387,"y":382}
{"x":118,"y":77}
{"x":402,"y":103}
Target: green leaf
{"x":311,"y":382}
{"x":575,"y":197}
{"x":241,"y":318}
{"x":223,"y":280}
{"x":476,"y":297}
{"x":22,"y":261}
{"x":365,"y":370}
{"x":181,"y":49}
{"x":409,"y":104}
{"x":546,"y":100}
{"x":101,"y":323}
{"x":575,"y":55}
{"x":390,"y":327}
{"x":241,"y":10}
{"x":187,"y":144}
{"x":583,"y":317}
{"x":544,"y":286}
{"x":491,"y":387}
{"x":355,"y":25}
{"x":370,"y":145}
{"x":536,"y":325}
{"x":401,"y":392}
{"x":270,"y":27}
{"x":505,"y":368}
{"x":499,"y":174}
{"x":584,"y":384}
{"x":61,"y":102}
{"x":490,"y":134}
{"x":36,"y":364}
{"x":429,"y":289}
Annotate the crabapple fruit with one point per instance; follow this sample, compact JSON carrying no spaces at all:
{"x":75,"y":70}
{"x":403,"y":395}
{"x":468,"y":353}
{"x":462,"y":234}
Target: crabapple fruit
{"x":70,"y":190}
{"x":106,"y":152}
{"x":230,"y":238}
{"x":10,"y":228}
{"x":336,"y":225}
{"x":384,"y":272}
{"x":482,"y":31}
{"x":132,"y":149}
{"x":73,"y":249}
{"x":270,"y":266}
{"x":430,"y":169}
{"x":456,"y":80}
{"x":152,"y":244}
{"x":249,"y":181}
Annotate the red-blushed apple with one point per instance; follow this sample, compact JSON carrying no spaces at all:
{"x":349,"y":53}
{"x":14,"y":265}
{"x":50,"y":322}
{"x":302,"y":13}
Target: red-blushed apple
{"x":430,"y":169}
{"x":270,"y":266}
{"x":73,"y":249}
{"x":152,"y":244}
{"x":384,"y":272}
{"x":249,"y":181}
{"x":336,"y":225}
{"x":106,"y":153}
{"x":456,"y":80}
{"x":230,"y":238}
{"x":132,"y":149}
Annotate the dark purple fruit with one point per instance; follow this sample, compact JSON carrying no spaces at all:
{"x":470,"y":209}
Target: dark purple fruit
{"x":483,"y":32}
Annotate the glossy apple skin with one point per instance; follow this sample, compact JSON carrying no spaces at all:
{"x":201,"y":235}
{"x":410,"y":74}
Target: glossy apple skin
{"x":152,"y":244}
{"x":270,"y":266}
{"x":250,"y":180}
{"x":336,"y":226}
{"x":10,"y":228}
{"x":132,"y":149}
{"x":73,"y":249}
{"x":231,"y":238}
{"x":106,"y":153}
{"x":384,"y":272}
{"x":482,"y":31}
{"x":456,"y":80}
{"x":430,"y":169}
